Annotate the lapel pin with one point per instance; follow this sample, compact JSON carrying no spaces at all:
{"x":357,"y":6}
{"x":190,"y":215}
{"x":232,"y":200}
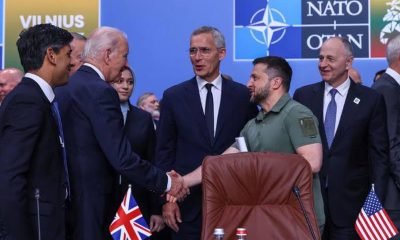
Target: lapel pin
{"x":356,"y":100}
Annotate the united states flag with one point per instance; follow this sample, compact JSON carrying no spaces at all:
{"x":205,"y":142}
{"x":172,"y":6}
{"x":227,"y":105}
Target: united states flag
{"x":373,"y":222}
{"x":129,"y":223}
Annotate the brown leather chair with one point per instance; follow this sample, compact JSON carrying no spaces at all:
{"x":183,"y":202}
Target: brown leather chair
{"x":255,"y":191}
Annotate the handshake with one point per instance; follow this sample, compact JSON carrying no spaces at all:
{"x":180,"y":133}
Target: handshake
{"x":179,"y":187}
{"x":179,"y":190}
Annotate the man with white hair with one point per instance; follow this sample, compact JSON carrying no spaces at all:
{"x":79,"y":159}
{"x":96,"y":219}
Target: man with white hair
{"x":97,"y":148}
{"x":9,"y":78}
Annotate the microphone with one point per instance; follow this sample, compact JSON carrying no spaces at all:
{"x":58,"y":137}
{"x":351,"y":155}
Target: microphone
{"x":296,"y":191}
{"x":37,"y":197}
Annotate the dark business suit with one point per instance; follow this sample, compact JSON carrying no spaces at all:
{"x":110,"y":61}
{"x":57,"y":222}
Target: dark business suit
{"x":30,"y":158}
{"x":183,"y":141}
{"x":390,"y":90}
{"x":98,"y":151}
{"x":359,"y":148}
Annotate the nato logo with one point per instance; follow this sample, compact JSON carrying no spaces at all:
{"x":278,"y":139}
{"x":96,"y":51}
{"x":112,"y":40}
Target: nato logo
{"x":297,"y":29}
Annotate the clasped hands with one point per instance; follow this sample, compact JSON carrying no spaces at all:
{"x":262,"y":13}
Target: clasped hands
{"x":179,"y":189}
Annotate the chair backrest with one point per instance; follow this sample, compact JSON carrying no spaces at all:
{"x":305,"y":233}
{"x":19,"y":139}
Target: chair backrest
{"x":255,"y":191}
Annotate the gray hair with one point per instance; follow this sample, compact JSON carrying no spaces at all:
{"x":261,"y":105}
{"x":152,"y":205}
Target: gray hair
{"x":347,"y":45}
{"x":143,"y":97}
{"x":78,"y":36}
{"x":100,"y":40}
{"x":393,"y":50}
{"x":219,"y":38}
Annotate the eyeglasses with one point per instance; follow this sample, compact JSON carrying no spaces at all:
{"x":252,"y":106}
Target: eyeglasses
{"x":204,"y":51}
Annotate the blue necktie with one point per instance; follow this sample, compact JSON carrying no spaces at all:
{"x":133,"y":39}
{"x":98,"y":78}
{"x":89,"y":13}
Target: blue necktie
{"x":209,"y":112}
{"x":57,"y":116}
{"x":330,"y":118}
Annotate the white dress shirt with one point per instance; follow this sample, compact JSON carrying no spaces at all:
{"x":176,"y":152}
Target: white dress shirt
{"x":216,"y":92}
{"x":340,"y":99}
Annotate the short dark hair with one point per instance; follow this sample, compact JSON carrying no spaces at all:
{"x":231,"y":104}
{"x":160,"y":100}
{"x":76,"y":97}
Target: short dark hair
{"x":34,"y":42}
{"x":277,"y":67}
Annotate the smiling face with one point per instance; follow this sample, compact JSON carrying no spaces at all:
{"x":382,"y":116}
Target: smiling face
{"x":259,"y":84}
{"x":205,"y":56}
{"x":334,"y":62}
{"x":62,"y":66}
{"x":124,"y":86}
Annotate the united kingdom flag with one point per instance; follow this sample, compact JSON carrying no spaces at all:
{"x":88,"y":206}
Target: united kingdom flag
{"x":129,"y":223}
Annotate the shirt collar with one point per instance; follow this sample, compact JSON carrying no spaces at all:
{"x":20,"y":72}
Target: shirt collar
{"x":393,"y":74}
{"x":45,"y":86}
{"x":342,"y":88}
{"x":276,"y":108}
{"x":124,"y":106}
{"x":216,"y":82}
{"x":96,"y":70}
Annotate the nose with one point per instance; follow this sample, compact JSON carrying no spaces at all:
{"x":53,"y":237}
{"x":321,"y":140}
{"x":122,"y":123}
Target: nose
{"x":125,"y":84}
{"x":249,"y":83}
{"x":197,"y":56}
{"x":322,"y":62}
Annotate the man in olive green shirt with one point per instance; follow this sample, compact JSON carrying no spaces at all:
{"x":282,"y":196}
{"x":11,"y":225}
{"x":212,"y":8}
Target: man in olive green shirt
{"x":282,"y":125}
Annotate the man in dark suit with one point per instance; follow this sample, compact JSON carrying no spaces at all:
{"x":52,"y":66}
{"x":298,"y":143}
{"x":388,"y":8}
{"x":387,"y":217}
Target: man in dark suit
{"x":354,"y":138}
{"x":139,"y":129}
{"x":199,"y":117}
{"x":97,"y":146}
{"x":389,"y":86}
{"x":32,"y":177}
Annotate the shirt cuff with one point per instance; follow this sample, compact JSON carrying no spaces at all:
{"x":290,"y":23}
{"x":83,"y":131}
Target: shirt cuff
{"x":168,"y":184}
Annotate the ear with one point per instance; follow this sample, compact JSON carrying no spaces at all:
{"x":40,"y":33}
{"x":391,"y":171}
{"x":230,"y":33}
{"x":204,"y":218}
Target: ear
{"x":107,"y":56}
{"x":221,"y":53}
{"x":51,"y":56}
{"x":349,"y":62}
{"x":276,"y":82}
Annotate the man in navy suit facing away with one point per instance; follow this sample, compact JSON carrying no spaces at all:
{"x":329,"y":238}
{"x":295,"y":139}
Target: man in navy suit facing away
{"x":98,"y":149}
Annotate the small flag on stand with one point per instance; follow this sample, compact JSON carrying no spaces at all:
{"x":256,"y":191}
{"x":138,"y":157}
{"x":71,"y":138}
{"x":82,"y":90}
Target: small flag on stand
{"x":373,"y":222}
{"x":129,"y":223}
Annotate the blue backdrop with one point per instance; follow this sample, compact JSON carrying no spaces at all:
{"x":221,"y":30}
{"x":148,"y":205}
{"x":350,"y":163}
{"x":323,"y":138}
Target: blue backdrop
{"x":159,"y":33}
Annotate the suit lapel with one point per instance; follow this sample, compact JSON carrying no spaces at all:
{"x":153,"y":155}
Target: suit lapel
{"x":193,"y":102}
{"x":349,"y":109}
{"x":318,"y":109}
{"x":225,"y":107}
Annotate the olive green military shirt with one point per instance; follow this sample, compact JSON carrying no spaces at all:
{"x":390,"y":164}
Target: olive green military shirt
{"x":287,"y":126}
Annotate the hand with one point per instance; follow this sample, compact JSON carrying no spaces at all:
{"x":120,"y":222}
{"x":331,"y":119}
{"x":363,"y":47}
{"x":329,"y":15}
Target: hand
{"x":172,"y":215}
{"x":156,"y":223}
{"x":179,"y":190}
